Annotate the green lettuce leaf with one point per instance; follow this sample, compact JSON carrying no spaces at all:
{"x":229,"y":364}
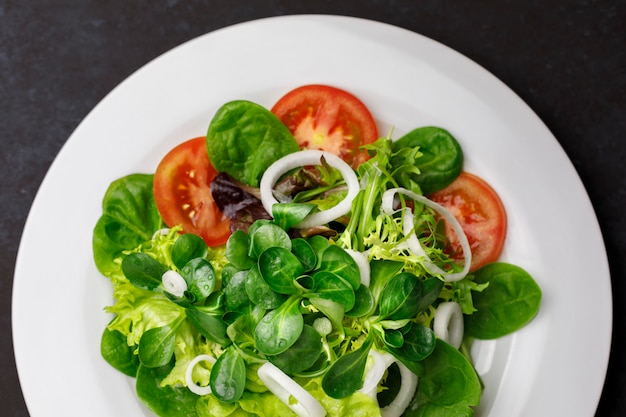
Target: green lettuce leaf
{"x":355,"y":405}
{"x":129,"y":218}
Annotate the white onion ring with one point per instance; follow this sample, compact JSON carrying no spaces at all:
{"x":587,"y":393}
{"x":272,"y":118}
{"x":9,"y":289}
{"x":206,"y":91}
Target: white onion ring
{"x":381,"y":361}
{"x":448,"y":323}
{"x":364,"y":266}
{"x":408,"y":384}
{"x":286,"y":389}
{"x":193,"y":387}
{"x":174,"y":283}
{"x":304,"y":158}
{"x":412,"y":241}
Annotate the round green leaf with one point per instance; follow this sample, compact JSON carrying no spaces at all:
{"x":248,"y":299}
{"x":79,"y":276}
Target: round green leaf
{"x":279,"y":329}
{"x":302,"y":354}
{"x":279,"y":268}
{"x":509,"y":302}
{"x":187,"y":247}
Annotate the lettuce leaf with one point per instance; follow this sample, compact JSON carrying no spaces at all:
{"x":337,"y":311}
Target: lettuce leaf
{"x":266,"y":404}
{"x":138,"y":310}
{"x":129,"y":218}
{"x":263,"y":404}
{"x":355,"y":405}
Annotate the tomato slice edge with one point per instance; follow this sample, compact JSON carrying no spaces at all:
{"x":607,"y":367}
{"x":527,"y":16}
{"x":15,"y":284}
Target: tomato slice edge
{"x":328,"y":118}
{"x":481,"y":213}
{"x":182,"y":192}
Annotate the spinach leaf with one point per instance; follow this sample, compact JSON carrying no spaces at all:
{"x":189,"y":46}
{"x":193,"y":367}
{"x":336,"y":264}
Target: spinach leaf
{"x":305,"y":253}
{"x":439,"y":161}
{"x":143,"y":271}
{"x":260,"y":293}
{"x":156,"y":346}
{"x":279,"y":329}
{"x":279,"y":268}
{"x":333,"y":287}
{"x":200,"y":278}
{"x":345,"y":375}
{"x":431,"y":288}
{"x":244,"y":139}
{"x":115,"y":350}
{"x":187,"y":247}
{"x":508,"y":303}
{"x":302,"y":354}
{"x":265,"y":236}
{"x":381,"y":272}
{"x":171,"y":401}
{"x":400,"y":299}
{"x":319,"y":244}
{"x":445,"y":367}
{"x":238,"y":249}
{"x":393,"y":338}
{"x":228,"y":376}
{"x":234,"y":289}
{"x":129,"y":218}
{"x":209,"y":325}
{"x":418,"y":342}
{"x":363,"y":302}
{"x":337,"y":261}
{"x":287,"y":215}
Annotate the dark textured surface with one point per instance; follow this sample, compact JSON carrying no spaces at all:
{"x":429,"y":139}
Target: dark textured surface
{"x":567,"y":60}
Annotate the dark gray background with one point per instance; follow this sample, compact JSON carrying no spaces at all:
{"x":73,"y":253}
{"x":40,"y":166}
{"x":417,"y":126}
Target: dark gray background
{"x":567,"y":60}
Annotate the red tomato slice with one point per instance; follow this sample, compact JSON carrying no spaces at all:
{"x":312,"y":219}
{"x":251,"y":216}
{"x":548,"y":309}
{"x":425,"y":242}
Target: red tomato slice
{"x":183,"y":195}
{"x":481,"y":214}
{"x":329,"y":119}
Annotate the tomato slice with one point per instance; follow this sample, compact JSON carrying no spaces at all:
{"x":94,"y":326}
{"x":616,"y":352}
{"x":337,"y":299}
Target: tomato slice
{"x":327,"y":118}
{"x":479,"y":210}
{"x":182,"y":192}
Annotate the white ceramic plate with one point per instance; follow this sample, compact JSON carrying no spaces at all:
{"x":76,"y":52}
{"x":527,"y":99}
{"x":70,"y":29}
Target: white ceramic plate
{"x":548,"y":368}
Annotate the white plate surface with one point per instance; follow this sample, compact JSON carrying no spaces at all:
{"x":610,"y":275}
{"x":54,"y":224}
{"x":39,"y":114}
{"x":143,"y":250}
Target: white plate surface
{"x":554,"y":366}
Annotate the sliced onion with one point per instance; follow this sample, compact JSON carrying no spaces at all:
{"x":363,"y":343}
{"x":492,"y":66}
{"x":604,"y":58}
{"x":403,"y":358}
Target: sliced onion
{"x":304,"y":158}
{"x":364,"y":266}
{"x":380,"y":362}
{"x":413,"y":243}
{"x":448,"y":323}
{"x":408,"y":383}
{"x":193,"y":387}
{"x":174,"y":283}
{"x":286,"y":389}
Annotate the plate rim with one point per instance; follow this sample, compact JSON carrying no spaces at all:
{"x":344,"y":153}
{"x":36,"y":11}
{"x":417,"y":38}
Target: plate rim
{"x":18,"y":281}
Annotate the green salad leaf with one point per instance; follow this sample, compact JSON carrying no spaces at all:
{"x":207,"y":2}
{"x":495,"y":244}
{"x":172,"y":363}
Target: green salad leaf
{"x":509,"y":302}
{"x":244,"y":139}
{"x":447,"y":386}
{"x":313,"y":305}
{"x":169,"y":400}
{"x":427,"y":159}
{"x":129,"y":218}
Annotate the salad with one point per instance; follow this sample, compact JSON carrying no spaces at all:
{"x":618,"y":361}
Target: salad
{"x":295,"y":262}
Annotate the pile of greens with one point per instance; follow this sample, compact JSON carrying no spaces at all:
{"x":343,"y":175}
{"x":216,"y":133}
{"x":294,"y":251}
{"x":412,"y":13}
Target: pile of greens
{"x":300,"y":302}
